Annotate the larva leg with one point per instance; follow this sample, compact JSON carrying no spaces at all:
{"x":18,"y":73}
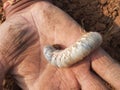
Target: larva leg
{"x":76,"y":52}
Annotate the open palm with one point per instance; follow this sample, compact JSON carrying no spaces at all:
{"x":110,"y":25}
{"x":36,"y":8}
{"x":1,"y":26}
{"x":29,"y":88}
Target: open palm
{"x":22,"y":38}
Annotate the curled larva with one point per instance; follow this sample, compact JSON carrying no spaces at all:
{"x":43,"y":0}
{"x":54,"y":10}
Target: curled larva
{"x":76,"y":52}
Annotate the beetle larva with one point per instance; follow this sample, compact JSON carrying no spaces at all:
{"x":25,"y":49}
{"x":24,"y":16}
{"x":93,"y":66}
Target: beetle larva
{"x":76,"y":52}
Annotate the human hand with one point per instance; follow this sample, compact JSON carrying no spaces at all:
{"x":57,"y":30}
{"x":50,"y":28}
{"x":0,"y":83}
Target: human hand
{"x":26,"y":31}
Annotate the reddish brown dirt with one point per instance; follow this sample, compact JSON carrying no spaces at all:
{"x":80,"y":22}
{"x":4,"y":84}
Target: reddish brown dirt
{"x":93,"y":15}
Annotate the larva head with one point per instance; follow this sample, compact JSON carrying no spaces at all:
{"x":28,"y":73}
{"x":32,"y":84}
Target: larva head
{"x":48,"y":52}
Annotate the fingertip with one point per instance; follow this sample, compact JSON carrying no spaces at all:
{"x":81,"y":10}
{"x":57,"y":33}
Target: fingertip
{"x":106,"y":67}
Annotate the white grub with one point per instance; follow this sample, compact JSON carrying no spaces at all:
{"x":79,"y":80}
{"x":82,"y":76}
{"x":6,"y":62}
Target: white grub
{"x":76,"y":52}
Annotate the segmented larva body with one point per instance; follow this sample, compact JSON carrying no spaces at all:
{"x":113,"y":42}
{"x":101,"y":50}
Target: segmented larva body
{"x":76,"y":52}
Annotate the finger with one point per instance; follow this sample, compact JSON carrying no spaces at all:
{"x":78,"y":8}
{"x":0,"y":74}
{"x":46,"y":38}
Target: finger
{"x":91,"y":81}
{"x":107,"y":68}
{"x":5,"y":5}
{"x":87,"y":79}
{"x":4,"y":65}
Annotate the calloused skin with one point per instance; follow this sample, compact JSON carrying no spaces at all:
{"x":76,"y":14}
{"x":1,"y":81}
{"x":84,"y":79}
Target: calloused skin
{"x":32,"y":24}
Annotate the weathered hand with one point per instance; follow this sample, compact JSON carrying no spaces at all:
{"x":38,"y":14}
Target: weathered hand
{"x":32,"y":24}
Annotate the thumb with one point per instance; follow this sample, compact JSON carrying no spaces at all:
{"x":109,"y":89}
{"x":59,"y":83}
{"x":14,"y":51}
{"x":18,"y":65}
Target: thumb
{"x":106,"y":68}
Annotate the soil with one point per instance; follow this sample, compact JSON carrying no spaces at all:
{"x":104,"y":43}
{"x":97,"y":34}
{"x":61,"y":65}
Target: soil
{"x":93,"y":15}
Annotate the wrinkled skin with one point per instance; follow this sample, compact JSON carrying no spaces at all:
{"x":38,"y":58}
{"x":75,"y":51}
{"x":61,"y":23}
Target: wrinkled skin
{"x":32,"y":24}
